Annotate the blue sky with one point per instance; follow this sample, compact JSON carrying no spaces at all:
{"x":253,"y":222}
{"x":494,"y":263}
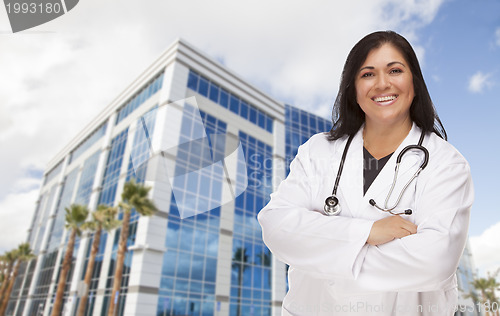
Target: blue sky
{"x":57,"y":77}
{"x":464,"y":43}
{"x":460,"y":43}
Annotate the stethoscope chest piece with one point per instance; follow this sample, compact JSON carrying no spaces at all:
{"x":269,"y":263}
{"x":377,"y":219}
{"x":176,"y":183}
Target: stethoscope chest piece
{"x":332,"y":206}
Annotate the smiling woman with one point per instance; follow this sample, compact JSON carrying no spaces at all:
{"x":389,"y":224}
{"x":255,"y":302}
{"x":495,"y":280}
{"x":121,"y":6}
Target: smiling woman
{"x":369,"y":260}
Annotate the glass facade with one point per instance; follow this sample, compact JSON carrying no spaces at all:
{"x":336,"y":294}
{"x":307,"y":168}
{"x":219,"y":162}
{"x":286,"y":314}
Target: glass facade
{"x":188,"y":274}
{"x":153,"y":86}
{"x":27,"y":277}
{"x":17,"y":287}
{"x":300,"y":125}
{"x":64,"y":201}
{"x":46,"y":205}
{"x":94,"y":137}
{"x":87,"y":179}
{"x":36,"y":220}
{"x":43,"y":283}
{"x":109,"y":187}
{"x":137,"y":167}
{"x":42,"y":287}
{"x":36,"y":224}
{"x":96,"y":271}
{"x":467,"y":292}
{"x":251,"y":261}
{"x":229,"y":100}
{"x":53,"y":172}
{"x":141,"y":149}
{"x":113,"y":166}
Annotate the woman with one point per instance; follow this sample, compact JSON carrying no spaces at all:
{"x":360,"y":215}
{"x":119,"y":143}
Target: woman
{"x":365,"y":261}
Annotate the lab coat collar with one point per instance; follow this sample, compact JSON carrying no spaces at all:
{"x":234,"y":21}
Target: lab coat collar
{"x":351,"y":181}
{"x":351,"y":185}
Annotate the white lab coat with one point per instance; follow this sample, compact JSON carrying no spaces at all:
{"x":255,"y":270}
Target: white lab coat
{"x":333,"y":271}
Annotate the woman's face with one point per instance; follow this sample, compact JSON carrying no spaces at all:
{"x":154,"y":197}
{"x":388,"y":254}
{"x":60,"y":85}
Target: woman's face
{"x":384,"y":87}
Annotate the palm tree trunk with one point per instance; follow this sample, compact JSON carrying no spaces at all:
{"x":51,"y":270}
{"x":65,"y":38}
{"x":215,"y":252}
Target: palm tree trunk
{"x":8,"y":291}
{"x":58,"y":302}
{"x":120,"y":259}
{"x":5,"y":284}
{"x":240,"y":283}
{"x":90,"y":270}
{"x":485,"y":299}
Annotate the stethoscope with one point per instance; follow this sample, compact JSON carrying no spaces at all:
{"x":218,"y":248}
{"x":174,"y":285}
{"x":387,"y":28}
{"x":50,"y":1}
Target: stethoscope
{"x":332,"y":206}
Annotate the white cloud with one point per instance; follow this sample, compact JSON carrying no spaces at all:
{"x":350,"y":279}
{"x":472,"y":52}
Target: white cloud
{"x":16,"y":211}
{"x":57,"y":77}
{"x":479,"y":81}
{"x":486,"y":250}
{"x":497,"y":36}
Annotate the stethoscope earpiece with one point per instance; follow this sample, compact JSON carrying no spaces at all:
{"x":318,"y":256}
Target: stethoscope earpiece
{"x":406,"y":212}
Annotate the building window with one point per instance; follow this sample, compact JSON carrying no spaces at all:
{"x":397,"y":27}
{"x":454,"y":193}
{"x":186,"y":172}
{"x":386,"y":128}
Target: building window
{"x":141,"y":150}
{"x":113,"y":167}
{"x":64,"y":201}
{"x":53,"y":172}
{"x":87,"y":179}
{"x":89,"y":141}
{"x":226,"y":99}
{"x":150,"y":88}
{"x":299,"y":127}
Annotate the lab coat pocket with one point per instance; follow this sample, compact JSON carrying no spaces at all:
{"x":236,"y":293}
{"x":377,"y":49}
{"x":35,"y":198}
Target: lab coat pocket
{"x":306,"y":296}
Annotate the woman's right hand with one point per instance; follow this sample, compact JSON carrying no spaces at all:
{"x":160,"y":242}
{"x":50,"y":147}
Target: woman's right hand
{"x":390,"y":228}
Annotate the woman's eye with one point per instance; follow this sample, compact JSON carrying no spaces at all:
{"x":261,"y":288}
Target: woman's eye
{"x":367,"y":74}
{"x":396,"y":70}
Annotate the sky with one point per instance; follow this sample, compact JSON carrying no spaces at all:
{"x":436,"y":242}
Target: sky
{"x":55,"y":78}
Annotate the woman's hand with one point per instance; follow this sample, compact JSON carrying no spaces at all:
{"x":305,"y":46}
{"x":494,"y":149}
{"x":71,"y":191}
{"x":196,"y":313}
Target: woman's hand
{"x":390,"y":228}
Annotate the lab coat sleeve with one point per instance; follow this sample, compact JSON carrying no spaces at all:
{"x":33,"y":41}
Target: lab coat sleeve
{"x":427,"y":260}
{"x":323,"y":246}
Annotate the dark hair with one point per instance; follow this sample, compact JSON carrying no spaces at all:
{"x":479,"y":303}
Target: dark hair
{"x":347,"y":115}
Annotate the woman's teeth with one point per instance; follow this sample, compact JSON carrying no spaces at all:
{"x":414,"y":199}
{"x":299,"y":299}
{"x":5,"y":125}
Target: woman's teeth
{"x":385,"y":99}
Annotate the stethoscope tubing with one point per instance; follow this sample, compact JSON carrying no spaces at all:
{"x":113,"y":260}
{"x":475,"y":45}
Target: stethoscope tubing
{"x":332,"y":206}
{"x":341,"y":166}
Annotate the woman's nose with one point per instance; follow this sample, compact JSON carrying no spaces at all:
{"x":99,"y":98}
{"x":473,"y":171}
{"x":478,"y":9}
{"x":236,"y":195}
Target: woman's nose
{"x":383,"y":82}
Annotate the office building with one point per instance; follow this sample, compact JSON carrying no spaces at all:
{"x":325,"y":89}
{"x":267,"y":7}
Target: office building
{"x":211,"y":146}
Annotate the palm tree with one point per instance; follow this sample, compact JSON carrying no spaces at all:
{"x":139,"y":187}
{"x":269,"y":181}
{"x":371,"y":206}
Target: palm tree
{"x":134,"y":196}
{"x":8,"y":259}
{"x":493,"y":286}
{"x":487,"y":286}
{"x":265,"y":260}
{"x":240,"y":260}
{"x":481,"y":284}
{"x":103,"y":218}
{"x":76,"y":215}
{"x":22,"y":253}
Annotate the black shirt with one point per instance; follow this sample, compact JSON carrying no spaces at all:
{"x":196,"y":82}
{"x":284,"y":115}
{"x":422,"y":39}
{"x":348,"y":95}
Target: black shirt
{"x":371,"y":168}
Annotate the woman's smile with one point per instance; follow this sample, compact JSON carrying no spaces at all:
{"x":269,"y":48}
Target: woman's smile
{"x":385,"y":99}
